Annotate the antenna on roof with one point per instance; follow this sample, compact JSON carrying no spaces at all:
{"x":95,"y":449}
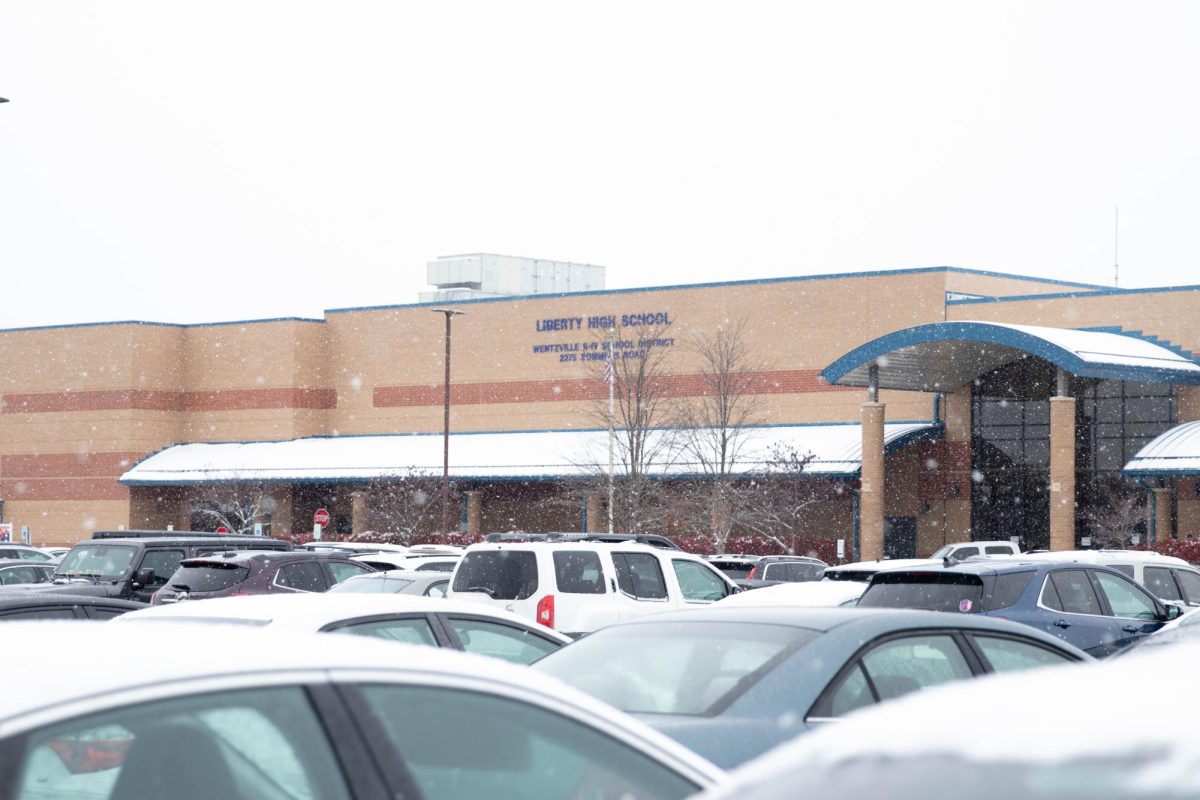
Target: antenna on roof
{"x":1116,"y":235}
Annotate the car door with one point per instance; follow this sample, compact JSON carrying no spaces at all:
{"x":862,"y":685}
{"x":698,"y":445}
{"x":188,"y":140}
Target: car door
{"x":163,"y":563}
{"x":641,"y":586}
{"x":1133,"y":611}
{"x":1069,"y":608}
{"x":497,"y":639}
{"x":341,"y":570}
{"x":1189,"y":583}
{"x":412,"y":628}
{"x":700,"y":584}
{"x":301,"y":576}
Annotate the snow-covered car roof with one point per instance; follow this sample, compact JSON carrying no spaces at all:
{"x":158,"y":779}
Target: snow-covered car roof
{"x":1103,"y":557}
{"x":308,"y":613}
{"x":801,"y":593}
{"x":1028,"y":720}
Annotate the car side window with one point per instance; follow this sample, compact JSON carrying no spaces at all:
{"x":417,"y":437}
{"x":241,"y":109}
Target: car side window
{"x":410,"y":630}
{"x":498,"y":640}
{"x":697,"y":583}
{"x":1074,"y":592}
{"x":261,"y":743}
{"x":303,"y":577}
{"x":40,"y":613}
{"x":163,"y":562}
{"x":1190,"y":582}
{"x":1005,"y":655}
{"x":471,"y":744}
{"x":1125,"y":598}
{"x":852,"y":694}
{"x":800,"y":571}
{"x":437,"y":589}
{"x":32,"y":555}
{"x":578,"y":572}
{"x":997,"y":550}
{"x":640,"y":575}
{"x":1159,"y":583}
{"x":965,"y":552}
{"x":341,"y":571}
{"x":906,"y":664}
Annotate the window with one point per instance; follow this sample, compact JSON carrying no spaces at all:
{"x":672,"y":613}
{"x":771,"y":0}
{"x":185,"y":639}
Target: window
{"x":1125,"y":598}
{"x":97,"y":560}
{"x":1006,"y":655}
{"x":965,"y":552}
{"x":437,"y":588}
{"x":697,"y":582}
{"x":1190,"y":581}
{"x":501,"y":641}
{"x":997,"y":550}
{"x":341,"y":571}
{"x":103,"y":612}
{"x":251,"y":744}
{"x":578,"y":572}
{"x":410,"y":630}
{"x":303,"y":577}
{"x":1158,"y":582}
{"x":903,"y":665}
{"x":163,"y":562}
{"x":40,"y":613}
{"x":468,"y":745}
{"x":32,"y":555}
{"x":205,"y":576}
{"x":15,"y":575}
{"x":1008,"y":588}
{"x":852,"y":694}
{"x":500,"y":574}
{"x":640,"y":575}
{"x":936,"y":591}
{"x":1073,"y":593}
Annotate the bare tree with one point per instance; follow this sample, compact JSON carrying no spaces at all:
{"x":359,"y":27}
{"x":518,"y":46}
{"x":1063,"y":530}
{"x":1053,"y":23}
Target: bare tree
{"x":1122,"y":514}
{"x":234,"y":505}
{"x":641,"y":417}
{"x":405,"y":503}
{"x":714,"y":429}
{"x":786,"y":497}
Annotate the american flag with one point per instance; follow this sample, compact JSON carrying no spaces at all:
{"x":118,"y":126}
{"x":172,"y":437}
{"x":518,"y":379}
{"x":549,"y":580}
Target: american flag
{"x":608,"y":373}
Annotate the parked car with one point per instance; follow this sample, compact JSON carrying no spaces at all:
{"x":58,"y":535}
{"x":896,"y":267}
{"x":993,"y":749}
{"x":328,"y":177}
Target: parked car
{"x":433,"y":622}
{"x":770,"y":570}
{"x":1170,"y":579}
{"x":16,"y":606}
{"x":1180,"y":631}
{"x":55,"y":553}
{"x":1050,"y":734}
{"x":863,"y":571}
{"x":805,"y":594}
{"x":960,"y":551}
{"x":396,"y":581}
{"x":355,"y":547}
{"x":24,"y":552}
{"x":1095,"y":608}
{"x":652,"y":539}
{"x":134,"y":568}
{"x":16,"y":571}
{"x":732,"y":683}
{"x":252,"y":715}
{"x":234,"y":573}
{"x":577,"y":587}
{"x":413,"y":562}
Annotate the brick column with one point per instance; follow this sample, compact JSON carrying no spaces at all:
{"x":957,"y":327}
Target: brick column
{"x":1162,"y":514}
{"x":474,"y":512}
{"x":358,"y":512}
{"x":597,"y":522}
{"x":870,"y":510}
{"x":1062,"y":473}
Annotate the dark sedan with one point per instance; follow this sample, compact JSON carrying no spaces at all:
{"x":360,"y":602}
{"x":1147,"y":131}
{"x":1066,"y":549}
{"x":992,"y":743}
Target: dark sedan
{"x":14,"y":571}
{"x":732,"y":683}
{"x":31,"y":606}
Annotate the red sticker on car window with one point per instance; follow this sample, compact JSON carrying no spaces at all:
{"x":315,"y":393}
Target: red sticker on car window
{"x":964,"y":606}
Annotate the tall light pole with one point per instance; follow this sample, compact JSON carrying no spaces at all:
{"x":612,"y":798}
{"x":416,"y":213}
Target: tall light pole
{"x":449,"y":312}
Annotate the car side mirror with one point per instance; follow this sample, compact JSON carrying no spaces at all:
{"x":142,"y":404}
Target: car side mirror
{"x":144,"y":576}
{"x":1173,"y":612}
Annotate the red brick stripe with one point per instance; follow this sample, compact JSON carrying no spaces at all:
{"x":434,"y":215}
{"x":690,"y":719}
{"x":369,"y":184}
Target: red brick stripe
{"x":150,"y":400}
{"x":774,"y":382}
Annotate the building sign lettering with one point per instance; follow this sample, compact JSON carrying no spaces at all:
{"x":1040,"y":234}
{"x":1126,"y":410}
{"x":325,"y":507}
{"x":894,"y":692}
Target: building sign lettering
{"x":597,"y":348}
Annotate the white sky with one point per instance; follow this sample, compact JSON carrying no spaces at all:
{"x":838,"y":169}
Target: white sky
{"x":191,"y":162}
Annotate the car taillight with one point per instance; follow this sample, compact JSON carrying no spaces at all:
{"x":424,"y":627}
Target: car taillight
{"x":545,"y":611}
{"x":155,"y":600}
{"x":750,"y":575}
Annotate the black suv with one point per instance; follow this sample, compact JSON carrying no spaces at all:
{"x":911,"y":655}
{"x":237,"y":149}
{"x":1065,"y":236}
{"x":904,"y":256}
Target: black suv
{"x":133,"y":567}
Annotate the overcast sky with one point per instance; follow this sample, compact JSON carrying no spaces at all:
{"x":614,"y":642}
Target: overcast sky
{"x":191,"y":162}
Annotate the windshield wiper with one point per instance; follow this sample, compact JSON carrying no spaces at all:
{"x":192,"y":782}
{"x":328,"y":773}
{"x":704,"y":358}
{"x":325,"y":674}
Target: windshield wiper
{"x":483,"y":589}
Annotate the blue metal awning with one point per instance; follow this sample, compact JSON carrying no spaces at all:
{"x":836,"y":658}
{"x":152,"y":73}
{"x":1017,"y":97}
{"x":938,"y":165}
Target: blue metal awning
{"x":1172,"y":454}
{"x":942,"y":356}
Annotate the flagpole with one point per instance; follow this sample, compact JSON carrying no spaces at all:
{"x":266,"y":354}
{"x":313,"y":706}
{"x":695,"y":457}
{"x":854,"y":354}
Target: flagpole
{"x":611,"y":429}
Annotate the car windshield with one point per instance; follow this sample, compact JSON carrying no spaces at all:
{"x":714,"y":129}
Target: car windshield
{"x":96,"y":561}
{"x":680,"y":668}
{"x":1142,"y":775}
{"x":936,"y":591}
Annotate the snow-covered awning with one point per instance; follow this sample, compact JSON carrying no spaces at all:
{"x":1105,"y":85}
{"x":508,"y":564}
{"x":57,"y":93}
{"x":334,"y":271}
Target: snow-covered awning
{"x":535,"y":455}
{"x":1174,"y":453}
{"x":942,"y":356}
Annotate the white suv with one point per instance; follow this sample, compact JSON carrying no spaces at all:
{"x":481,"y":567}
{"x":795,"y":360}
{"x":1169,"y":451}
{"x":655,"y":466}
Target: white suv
{"x":578,"y":587}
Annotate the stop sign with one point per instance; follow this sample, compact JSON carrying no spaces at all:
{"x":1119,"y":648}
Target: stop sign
{"x":321,"y":517}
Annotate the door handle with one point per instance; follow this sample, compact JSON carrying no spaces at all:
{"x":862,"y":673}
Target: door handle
{"x":1130,"y":628}
{"x":1061,"y":623}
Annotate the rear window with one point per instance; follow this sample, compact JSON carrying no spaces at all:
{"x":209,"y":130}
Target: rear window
{"x":734,"y":569}
{"x":500,"y":574}
{"x":936,"y":591}
{"x":208,"y":577}
{"x":578,"y":572}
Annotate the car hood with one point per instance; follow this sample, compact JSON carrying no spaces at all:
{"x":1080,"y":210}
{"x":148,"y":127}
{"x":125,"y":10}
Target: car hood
{"x":727,"y":741}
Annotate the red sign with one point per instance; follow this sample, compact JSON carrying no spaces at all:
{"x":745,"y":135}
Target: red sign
{"x":222,"y":529}
{"x":321,"y":517}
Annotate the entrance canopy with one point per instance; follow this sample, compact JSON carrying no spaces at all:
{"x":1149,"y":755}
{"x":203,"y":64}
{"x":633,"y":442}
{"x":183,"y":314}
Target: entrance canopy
{"x":1174,"y":453}
{"x":537,"y":456}
{"x":942,"y":356}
